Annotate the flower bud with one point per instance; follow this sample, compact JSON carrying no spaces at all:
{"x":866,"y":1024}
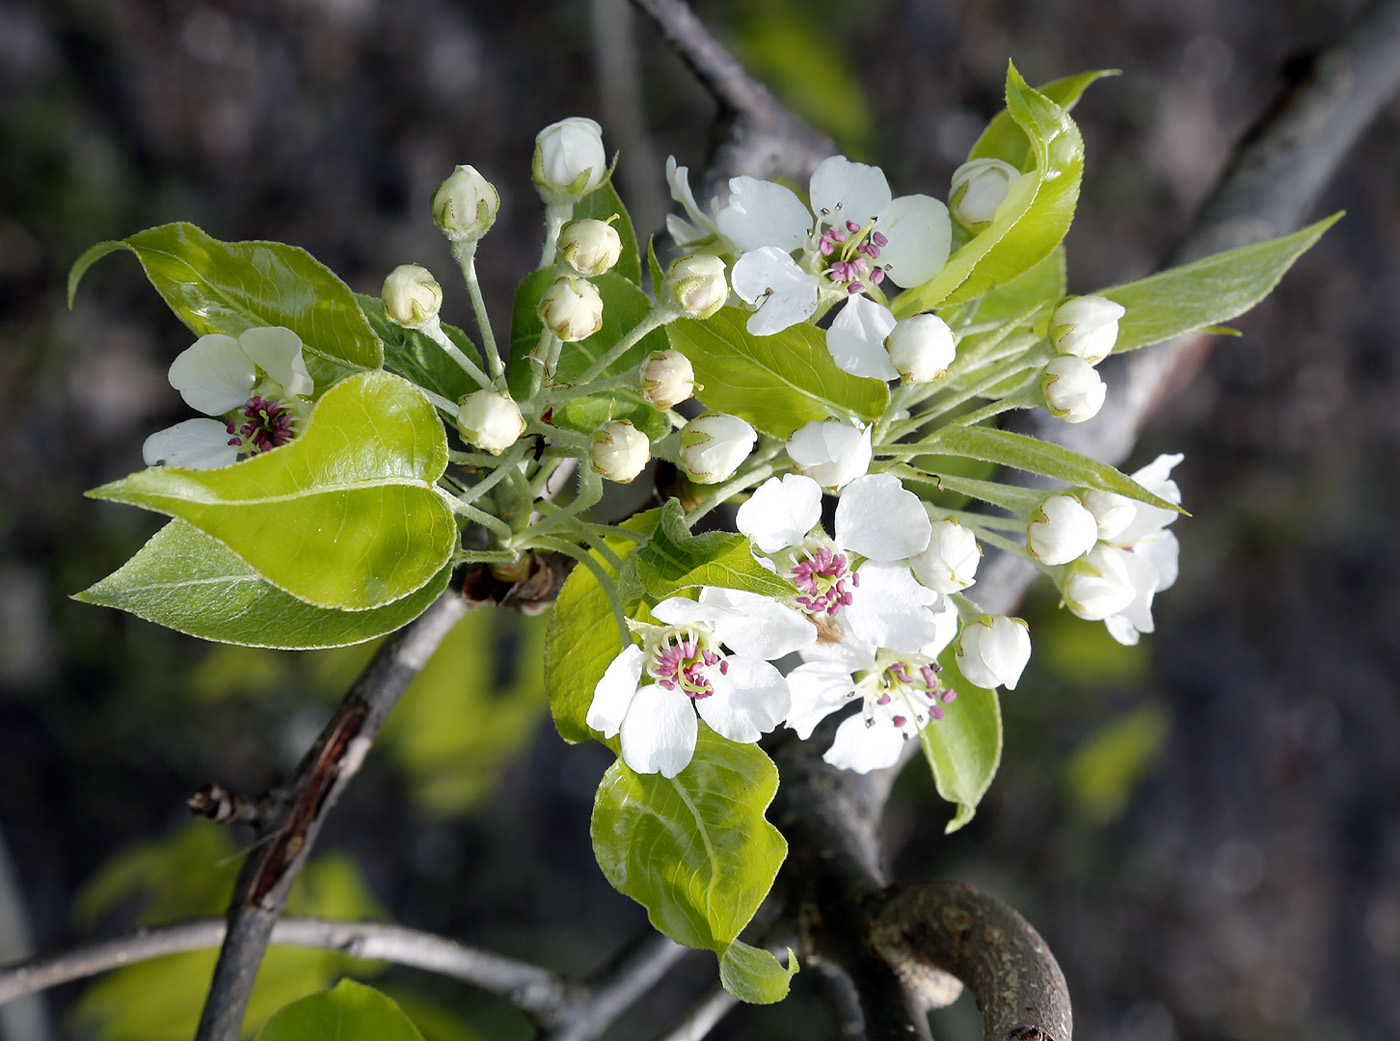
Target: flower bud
{"x":949,"y":564}
{"x":696,"y":285}
{"x":668,"y":378}
{"x":1112,"y":512}
{"x":1072,"y":389}
{"x":1099,"y":584}
{"x":590,"y":246}
{"x":465,"y":205}
{"x":569,"y":159}
{"x":1061,"y":529}
{"x":572,"y":309}
{"x":491,"y":420}
{"x":714,"y":445}
{"x":1087,"y":327}
{"x":993,"y":651}
{"x":619,"y":451}
{"x":830,"y":453}
{"x":921,"y":348}
{"x":411,"y":296}
{"x":979,"y":188}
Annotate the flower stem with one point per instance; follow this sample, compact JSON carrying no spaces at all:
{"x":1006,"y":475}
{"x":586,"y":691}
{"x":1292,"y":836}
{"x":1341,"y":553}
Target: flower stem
{"x":434,"y":331}
{"x":464,"y":252}
{"x":555,"y":215}
{"x":655,"y":318}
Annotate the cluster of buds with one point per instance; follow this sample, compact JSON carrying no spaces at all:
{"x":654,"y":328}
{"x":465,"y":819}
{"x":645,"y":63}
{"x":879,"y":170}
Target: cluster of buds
{"x":1083,"y":331}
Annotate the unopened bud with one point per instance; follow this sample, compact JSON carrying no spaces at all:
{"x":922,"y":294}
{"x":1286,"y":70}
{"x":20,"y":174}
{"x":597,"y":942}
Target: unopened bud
{"x":921,"y":348}
{"x":572,"y":309}
{"x":993,"y":651}
{"x":465,"y":205}
{"x":696,"y":285}
{"x":1072,"y":389}
{"x":590,"y":246}
{"x":832,"y":454}
{"x":411,"y":295}
{"x":980,"y":186}
{"x":569,"y":159}
{"x":1087,"y":327}
{"x":1061,"y":529}
{"x":1099,"y":584}
{"x":619,"y":451}
{"x":491,"y":420}
{"x":949,"y":563}
{"x":668,"y":378}
{"x":1112,"y":512}
{"x":714,"y":445}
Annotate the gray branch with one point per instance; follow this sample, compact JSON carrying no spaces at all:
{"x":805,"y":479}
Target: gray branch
{"x":701,"y":1019}
{"x":615,"y":988}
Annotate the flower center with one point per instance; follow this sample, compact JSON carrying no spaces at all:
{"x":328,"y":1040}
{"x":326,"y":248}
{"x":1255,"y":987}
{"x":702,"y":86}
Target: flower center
{"x":266,"y":425}
{"x":821,"y":578}
{"x":851,"y":251}
{"x":905,"y":695}
{"x":681,"y":660}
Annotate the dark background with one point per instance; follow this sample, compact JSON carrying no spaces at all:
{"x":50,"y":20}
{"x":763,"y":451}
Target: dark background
{"x":1204,"y":829}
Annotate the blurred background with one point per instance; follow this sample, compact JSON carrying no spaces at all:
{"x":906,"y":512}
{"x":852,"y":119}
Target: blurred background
{"x":1205,"y":828}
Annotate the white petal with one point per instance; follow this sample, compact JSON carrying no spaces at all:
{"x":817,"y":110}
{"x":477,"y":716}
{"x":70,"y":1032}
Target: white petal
{"x":199,"y":444}
{"x":864,"y":748}
{"x":1122,"y":630}
{"x":891,"y":609}
{"x":845,"y":191}
{"x":1145,"y":581}
{"x":1156,"y":478}
{"x":784,"y":292}
{"x":919,"y":233}
{"x":748,"y":701}
{"x":761,"y":213}
{"x":682,"y":610}
{"x":877,"y":518}
{"x":277,"y":351}
{"x":756,"y":626}
{"x":945,"y":623}
{"x":781,"y":512}
{"x":658,"y":735}
{"x":856,"y":338}
{"x":818,"y":689}
{"x":678,"y":177}
{"x":615,"y":691}
{"x":213,"y":374}
{"x":1161,"y":550}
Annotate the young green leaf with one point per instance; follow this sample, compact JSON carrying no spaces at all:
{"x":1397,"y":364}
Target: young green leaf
{"x":754,"y":975}
{"x":694,"y":850}
{"x":345,"y":516}
{"x":1208,"y":291}
{"x":227,"y":287}
{"x":1005,"y":140}
{"x":349,"y":1012}
{"x":191,"y":582}
{"x":777,"y":383}
{"x":602,"y":203}
{"x":1042,"y":284}
{"x":964,"y":747}
{"x":417,"y":358}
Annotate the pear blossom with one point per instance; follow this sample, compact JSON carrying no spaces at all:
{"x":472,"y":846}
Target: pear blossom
{"x":1061,"y":529}
{"x":1150,"y":551}
{"x":714,"y":445}
{"x":1087,"y":327}
{"x":411,"y":296}
{"x":618,"y":451}
{"x":858,"y":581}
{"x":1099,"y":584}
{"x":979,"y":188}
{"x":699,"y":227}
{"x":1073,"y":391}
{"x":465,"y":205}
{"x":949,"y":563}
{"x":832,"y":454}
{"x":571,"y":308}
{"x":647,"y":692}
{"x":852,"y":237}
{"x":993,"y":651}
{"x":695,"y":285}
{"x":921,"y":348}
{"x":589,"y":247}
{"x":667,"y":378}
{"x":569,"y":160}
{"x":490,"y":419}
{"x":256,"y":384}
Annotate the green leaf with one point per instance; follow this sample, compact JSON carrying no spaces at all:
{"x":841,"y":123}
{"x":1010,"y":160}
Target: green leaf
{"x":694,"y":850}
{"x":227,"y":287}
{"x":349,"y":1012}
{"x":964,"y":747}
{"x":1030,"y":223}
{"x":1005,"y":140}
{"x":1041,"y":284}
{"x":345,"y":516}
{"x":754,"y":975}
{"x":417,"y":358}
{"x":778,"y":383}
{"x":1041,"y":457}
{"x":602,"y":203}
{"x":583,"y":639}
{"x":191,"y":582}
{"x":1208,"y":291}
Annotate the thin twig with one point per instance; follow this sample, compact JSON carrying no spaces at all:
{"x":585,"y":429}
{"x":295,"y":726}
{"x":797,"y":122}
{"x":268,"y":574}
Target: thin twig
{"x":701,"y":1019}
{"x":293,"y":824}
{"x":529,"y":987}
{"x":26,"y":1020}
{"x":615,"y":988}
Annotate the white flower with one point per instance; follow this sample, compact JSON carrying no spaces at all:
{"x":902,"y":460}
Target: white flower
{"x":1087,"y":327}
{"x":465,"y":205}
{"x":667,"y":378}
{"x":993,"y":651}
{"x":700,"y":226}
{"x":569,"y":160}
{"x":590,"y":247}
{"x":219,"y":376}
{"x":618,"y":451}
{"x":412,"y":297}
{"x":921,"y":348}
{"x":949,"y":563}
{"x":979,"y":188}
{"x":1099,"y":584}
{"x":854,"y":237}
{"x":696,"y":285}
{"x":878,"y":601}
{"x":491,"y":420}
{"x":1151,"y":550}
{"x":1073,"y":391}
{"x":1112,"y":512}
{"x":714,"y":445}
{"x":571,"y":308}
{"x":832,"y":454}
{"x":647,"y":692}
{"x":1061,"y":529}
